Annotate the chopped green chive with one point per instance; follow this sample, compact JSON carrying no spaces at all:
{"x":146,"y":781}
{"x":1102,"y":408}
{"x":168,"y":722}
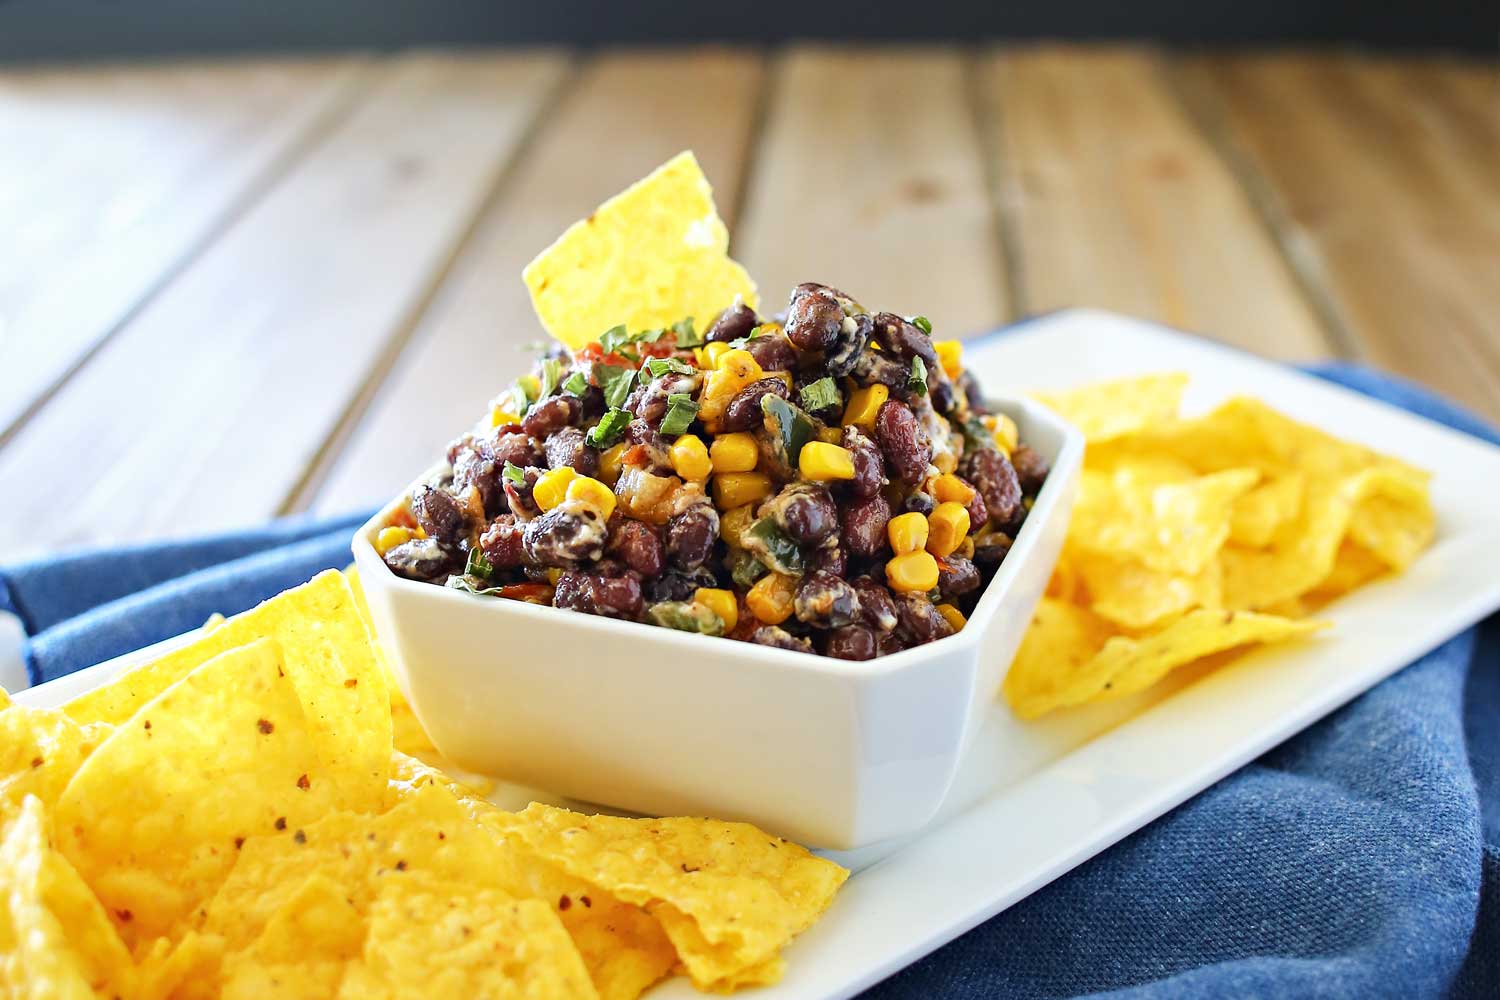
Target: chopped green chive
{"x":917,"y":381}
{"x":551,"y":373}
{"x":478,"y":566}
{"x":821,"y":395}
{"x":513,"y":474}
{"x":921,"y":323}
{"x":681,"y":412}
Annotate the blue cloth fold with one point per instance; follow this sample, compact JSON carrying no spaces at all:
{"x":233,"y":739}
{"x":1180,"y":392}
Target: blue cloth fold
{"x":1359,"y":859}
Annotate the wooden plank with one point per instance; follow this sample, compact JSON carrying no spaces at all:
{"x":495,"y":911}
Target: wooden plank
{"x":206,"y":409}
{"x":1387,"y":174}
{"x":110,"y":178}
{"x":871,"y":179}
{"x":626,"y":114}
{"x":1115,"y":199}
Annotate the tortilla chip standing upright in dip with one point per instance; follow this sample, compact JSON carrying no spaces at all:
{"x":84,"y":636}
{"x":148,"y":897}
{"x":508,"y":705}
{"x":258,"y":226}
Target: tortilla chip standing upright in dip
{"x":647,"y":257}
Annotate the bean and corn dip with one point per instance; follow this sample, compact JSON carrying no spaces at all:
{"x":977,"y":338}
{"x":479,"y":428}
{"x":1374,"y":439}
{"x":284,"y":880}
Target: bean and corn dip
{"x":829,"y":482}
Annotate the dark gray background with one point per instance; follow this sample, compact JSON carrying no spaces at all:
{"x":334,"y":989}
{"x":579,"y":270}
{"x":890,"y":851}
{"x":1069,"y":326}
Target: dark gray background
{"x":32,"y":30}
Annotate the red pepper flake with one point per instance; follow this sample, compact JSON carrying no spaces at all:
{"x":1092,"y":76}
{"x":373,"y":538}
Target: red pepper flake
{"x":239,"y":842}
{"x":689,"y":870}
{"x":125,"y":916}
{"x":37,"y":762}
{"x":352,"y":682}
{"x":586,"y":901}
{"x":564,"y":903}
{"x":265,"y":725}
{"x":300,"y":837}
{"x":147,"y":723}
{"x":303,"y":783}
{"x":401,"y":865}
{"x":442,"y":835}
{"x":281,"y":822}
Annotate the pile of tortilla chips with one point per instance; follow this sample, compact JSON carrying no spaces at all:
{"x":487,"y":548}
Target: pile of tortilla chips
{"x":234,"y":819}
{"x":1193,"y":537}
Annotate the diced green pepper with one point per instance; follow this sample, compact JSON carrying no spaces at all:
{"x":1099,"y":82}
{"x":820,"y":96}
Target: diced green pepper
{"x":686,"y":616}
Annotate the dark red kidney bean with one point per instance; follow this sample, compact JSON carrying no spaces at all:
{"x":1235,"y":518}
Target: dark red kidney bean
{"x":904,"y":340}
{"x":774,"y":353}
{"x":518,"y":497}
{"x":920,"y":620}
{"x":611,"y":597}
{"x":1031,"y":469}
{"x":993,"y":551}
{"x":903,"y":442}
{"x":501,"y":542}
{"x":567,"y":447}
{"x":851,"y":642}
{"x":831,"y":559}
{"x":865,"y":523}
{"x":995,"y":478}
{"x":825,"y":601}
{"x":806,"y":512}
{"x":422,"y":559}
{"x":814,"y":317}
{"x":636,"y":544}
{"x":919,"y":503}
{"x":481,"y":463}
{"x":733,"y":323}
{"x":591,"y":404}
{"x":743,"y":412}
{"x":979,"y":514}
{"x":957,"y":576}
{"x":551,"y":414}
{"x":877,"y":607}
{"x":887,"y":643}
{"x":691,"y":534}
{"x":565,"y":537}
{"x":679,"y":585}
{"x":869,"y":466}
{"x":780,"y":638}
{"x":440,"y":514}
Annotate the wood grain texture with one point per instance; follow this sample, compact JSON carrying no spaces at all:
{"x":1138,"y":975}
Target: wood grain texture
{"x":869,"y":177}
{"x":623,"y":116}
{"x":1113,"y":198}
{"x":208,"y":407}
{"x":110,"y":178}
{"x":1385,"y":175}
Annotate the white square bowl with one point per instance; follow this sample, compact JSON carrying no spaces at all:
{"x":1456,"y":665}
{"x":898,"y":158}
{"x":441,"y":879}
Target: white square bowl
{"x":828,"y":752}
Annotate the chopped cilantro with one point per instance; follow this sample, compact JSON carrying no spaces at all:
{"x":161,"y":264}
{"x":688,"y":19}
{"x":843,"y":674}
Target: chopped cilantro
{"x":615,"y":380}
{"x":609,"y":428}
{"x":577,"y":384}
{"x":921,"y":323}
{"x":513,"y":473}
{"x":660,"y":366}
{"x":551,"y":373}
{"x":478,"y":566}
{"x":614,"y":338}
{"x":686,"y":337}
{"x":681,"y":412}
{"x":917,"y":381}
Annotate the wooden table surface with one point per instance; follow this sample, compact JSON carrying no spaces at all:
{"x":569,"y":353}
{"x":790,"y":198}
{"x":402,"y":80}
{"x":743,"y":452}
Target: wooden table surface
{"x":231,"y":290}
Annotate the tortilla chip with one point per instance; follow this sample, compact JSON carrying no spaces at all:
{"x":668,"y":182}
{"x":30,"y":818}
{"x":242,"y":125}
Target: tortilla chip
{"x":40,"y":750}
{"x":303,"y":950}
{"x":1104,"y":411}
{"x":55,"y":939}
{"x":648,"y":257}
{"x":407,"y":733}
{"x":154,"y":818}
{"x":1257,"y":515}
{"x":728,"y":895}
{"x":1395,"y":528}
{"x":1135,"y":597}
{"x":329,"y":655}
{"x":1062,"y":639}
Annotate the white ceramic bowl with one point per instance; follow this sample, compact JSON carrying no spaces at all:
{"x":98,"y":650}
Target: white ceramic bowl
{"x":828,"y":752}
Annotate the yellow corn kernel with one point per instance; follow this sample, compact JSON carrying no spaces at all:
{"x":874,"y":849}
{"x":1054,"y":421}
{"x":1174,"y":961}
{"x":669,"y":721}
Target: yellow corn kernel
{"x":712,"y":353}
{"x":741,"y":363}
{"x":950,"y":355}
{"x":770,"y":600}
{"x":947,"y":527}
{"x":553,"y":575}
{"x":1007,"y":436}
{"x":965,"y":549}
{"x":830,"y":435}
{"x":824,"y":462}
{"x":690,"y":458}
{"x":590,"y":491}
{"x":954,"y":616}
{"x":500,"y":416}
{"x":722,"y":603}
{"x":552,"y":488}
{"x":390,"y":537}
{"x":791,"y":382}
{"x":950,"y":489}
{"x":533,"y":385}
{"x":735,"y":489}
{"x":945,"y":461}
{"x":736,"y":369}
{"x":908,"y":533}
{"x":735,"y":452}
{"x":609,"y":463}
{"x":734,"y":523}
{"x":912,"y":573}
{"x":864,"y":404}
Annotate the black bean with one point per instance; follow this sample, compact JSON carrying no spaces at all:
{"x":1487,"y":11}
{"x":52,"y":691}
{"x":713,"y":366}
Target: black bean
{"x":852,"y":642}
{"x":968,"y":387}
{"x":501,"y":542}
{"x":806,"y":512}
{"x":743,"y":412}
{"x":904,"y":340}
{"x":518,"y":496}
{"x":826,"y":601}
{"x":551,"y":414}
{"x":920,"y":620}
{"x":991,"y":549}
{"x":733,"y":323}
{"x":869,"y":465}
{"x":422,"y":559}
{"x":679,"y":585}
{"x":877,"y":607}
{"x":440,"y":514}
{"x":780,"y":638}
{"x":850,"y":349}
{"x":1031,"y":469}
{"x":774,"y":353}
{"x":831,"y":559}
{"x":637,"y":544}
{"x":903,"y":442}
{"x":814,"y":316}
{"x":658,"y":455}
{"x":864,"y":524}
{"x":612,"y":597}
{"x":957,"y":576}
{"x":567,"y":536}
{"x":877,"y":367}
{"x":979,"y":514}
{"x":691,"y":535}
{"x":650,"y":401}
{"x":919,"y":503}
{"x":567,"y":447}
{"x":995,"y":478}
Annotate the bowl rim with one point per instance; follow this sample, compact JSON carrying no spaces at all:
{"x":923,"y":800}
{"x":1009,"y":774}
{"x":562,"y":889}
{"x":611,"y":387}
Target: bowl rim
{"x":1069,"y":460}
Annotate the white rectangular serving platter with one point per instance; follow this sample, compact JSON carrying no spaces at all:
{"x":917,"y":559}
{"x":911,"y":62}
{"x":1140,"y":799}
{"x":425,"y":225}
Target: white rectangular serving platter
{"x":1092,"y":776}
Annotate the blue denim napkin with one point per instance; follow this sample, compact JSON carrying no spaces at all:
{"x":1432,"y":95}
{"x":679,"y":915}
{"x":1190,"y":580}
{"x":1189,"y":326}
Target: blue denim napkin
{"x":1359,"y":859}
